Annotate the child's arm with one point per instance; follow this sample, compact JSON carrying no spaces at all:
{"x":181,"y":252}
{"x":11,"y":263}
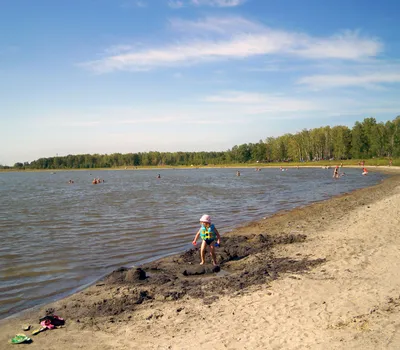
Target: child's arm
{"x":218,"y":236}
{"x":196,"y":237}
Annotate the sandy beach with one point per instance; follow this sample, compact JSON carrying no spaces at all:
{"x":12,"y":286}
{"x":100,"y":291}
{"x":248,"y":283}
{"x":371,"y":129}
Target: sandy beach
{"x":324,"y":276}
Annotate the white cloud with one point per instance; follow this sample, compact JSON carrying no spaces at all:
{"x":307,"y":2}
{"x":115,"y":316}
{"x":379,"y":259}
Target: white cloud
{"x":118,"y":49}
{"x":176,"y":4}
{"x":248,"y":40}
{"x":218,"y":3}
{"x":217,"y":25}
{"x":213,"y":3}
{"x":361,"y":80}
{"x":134,"y":3}
{"x":348,"y":45}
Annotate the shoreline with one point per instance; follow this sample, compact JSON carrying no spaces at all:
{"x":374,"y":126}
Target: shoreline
{"x":243,"y":253}
{"x":381,"y":168}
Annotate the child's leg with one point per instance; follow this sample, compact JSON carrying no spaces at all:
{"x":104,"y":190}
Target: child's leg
{"x":202,"y":252}
{"x":212,"y":252}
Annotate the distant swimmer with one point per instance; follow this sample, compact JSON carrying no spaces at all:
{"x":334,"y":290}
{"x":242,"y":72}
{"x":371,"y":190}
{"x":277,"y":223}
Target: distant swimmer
{"x":94,"y":182}
{"x":365,"y":171}
{"x":70,"y":181}
{"x":238,"y":173}
{"x":159,"y":176}
{"x":336,"y":172}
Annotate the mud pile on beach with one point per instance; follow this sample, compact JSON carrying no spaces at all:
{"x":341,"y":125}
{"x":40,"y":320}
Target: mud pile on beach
{"x":244,"y":260}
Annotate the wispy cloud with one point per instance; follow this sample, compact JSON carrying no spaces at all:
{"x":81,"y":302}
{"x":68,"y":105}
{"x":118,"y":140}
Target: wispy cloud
{"x":216,"y":25}
{"x":99,"y":117}
{"x":248,"y":40}
{"x":369,"y":79}
{"x":218,"y":3}
{"x":213,"y":3}
{"x":134,"y":3}
{"x":348,"y":45}
{"x":260,"y":103}
{"x":176,"y":4}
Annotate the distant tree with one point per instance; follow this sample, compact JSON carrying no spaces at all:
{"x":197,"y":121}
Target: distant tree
{"x":341,"y":142}
{"x":358,"y":144}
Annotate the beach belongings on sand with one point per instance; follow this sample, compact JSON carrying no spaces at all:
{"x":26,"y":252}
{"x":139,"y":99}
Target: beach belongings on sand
{"x":26,"y":327}
{"x":20,"y":338}
{"x":49,"y":322}
{"x":37,"y":331}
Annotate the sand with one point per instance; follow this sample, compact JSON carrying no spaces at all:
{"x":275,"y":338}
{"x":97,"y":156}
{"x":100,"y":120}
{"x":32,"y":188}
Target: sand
{"x":325,"y":276}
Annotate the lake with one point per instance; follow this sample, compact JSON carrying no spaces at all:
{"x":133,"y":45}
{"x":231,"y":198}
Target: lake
{"x":57,"y":237}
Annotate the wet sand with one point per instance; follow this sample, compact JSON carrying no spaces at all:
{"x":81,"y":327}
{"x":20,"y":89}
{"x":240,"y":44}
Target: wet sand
{"x":321,"y":276}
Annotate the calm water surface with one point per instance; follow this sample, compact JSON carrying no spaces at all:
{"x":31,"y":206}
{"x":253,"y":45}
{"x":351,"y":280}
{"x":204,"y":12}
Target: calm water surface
{"x":56,"y":237}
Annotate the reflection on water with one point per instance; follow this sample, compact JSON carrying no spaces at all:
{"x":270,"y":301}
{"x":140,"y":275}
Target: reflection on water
{"x":56,"y":237}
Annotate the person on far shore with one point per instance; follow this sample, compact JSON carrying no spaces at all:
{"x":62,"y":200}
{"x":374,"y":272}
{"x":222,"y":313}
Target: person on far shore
{"x":210,"y":235}
{"x":390,"y":162}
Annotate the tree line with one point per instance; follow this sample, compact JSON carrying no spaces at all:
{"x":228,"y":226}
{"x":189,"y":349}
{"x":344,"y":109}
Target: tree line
{"x":367,"y":139}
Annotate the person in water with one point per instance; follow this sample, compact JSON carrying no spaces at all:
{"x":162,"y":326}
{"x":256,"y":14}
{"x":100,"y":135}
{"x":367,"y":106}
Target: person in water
{"x":336,"y":172}
{"x":210,"y":235}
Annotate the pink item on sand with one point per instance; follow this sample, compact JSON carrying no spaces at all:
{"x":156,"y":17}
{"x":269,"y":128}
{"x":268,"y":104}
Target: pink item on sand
{"x":206,"y":218}
{"x":47,"y":324}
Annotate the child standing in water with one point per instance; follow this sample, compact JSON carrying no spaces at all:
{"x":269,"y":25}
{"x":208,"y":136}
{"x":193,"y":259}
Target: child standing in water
{"x":208,"y":233}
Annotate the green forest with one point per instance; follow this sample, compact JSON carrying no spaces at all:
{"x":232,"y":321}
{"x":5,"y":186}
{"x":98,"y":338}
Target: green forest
{"x":367,"y":139}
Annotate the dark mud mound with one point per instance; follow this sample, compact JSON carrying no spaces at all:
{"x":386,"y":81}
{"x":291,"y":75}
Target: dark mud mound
{"x":126,"y":275}
{"x":239,"y":247}
{"x":244,"y":261}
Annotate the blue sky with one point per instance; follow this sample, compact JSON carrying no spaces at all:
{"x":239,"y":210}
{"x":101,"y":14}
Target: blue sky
{"x":105,"y":76}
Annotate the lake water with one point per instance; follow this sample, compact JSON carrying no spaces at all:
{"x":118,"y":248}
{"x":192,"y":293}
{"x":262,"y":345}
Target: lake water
{"x":58,"y":237}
